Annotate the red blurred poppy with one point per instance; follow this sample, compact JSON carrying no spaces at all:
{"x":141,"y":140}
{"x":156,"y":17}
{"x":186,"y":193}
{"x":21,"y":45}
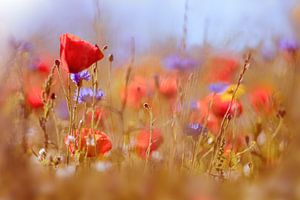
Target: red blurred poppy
{"x":34,"y":98}
{"x":205,"y":114}
{"x":103,"y":143}
{"x":98,"y":117}
{"x":43,"y":67}
{"x":143,"y":139}
{"x":222,"y":69}
{"x":77,"y":54}
{"x":219,"y":107}
{"x":261,"y":99}
{"x":168,"y":87}
{"x":234,"y":145}
{"x":136,"y":91}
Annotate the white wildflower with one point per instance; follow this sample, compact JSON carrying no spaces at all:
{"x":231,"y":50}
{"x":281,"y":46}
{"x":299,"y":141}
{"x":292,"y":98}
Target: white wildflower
{"x":70,"y":139}
{"x":66,"y":171}
{"x":102,"y":166}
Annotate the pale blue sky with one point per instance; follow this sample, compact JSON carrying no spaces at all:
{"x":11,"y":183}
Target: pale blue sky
{"x":242,"y":23}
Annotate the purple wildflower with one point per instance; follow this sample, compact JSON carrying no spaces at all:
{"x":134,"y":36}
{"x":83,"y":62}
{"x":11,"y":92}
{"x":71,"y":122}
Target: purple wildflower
{"x":218,"y":87}
{"x":195,"y":129}
{"x":20,"y":45}
{"x":179,"y":63}
{"x":193,"y":105}
{"x":80,"y":76}
{"x":86,"y":95}
{"x":289,"y":45}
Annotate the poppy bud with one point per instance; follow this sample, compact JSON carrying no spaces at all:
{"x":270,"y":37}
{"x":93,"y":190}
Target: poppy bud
{"x":57,"y":63}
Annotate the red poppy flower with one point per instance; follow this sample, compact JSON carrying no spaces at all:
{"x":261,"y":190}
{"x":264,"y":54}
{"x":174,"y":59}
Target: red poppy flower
{"x":143,"y":139}
{"x":136,"y":91}
{"x":261,"y":100}
{"x":99,"y":116}
{"x":204,"y":115}
{"x":222,"y":69}
{"x":103,"y":143}
{"x":34,"y":98}
{"x":43,"y":67}
{"x":168,"y":87}
{"x":77,"y":54}
{"x":219,"y":107}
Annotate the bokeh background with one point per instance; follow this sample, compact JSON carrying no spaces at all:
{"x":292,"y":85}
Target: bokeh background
{"x":158,"y":28}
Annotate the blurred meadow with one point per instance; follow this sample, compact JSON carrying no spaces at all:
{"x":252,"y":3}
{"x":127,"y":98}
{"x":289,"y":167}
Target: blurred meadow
{"x":174,"y":99}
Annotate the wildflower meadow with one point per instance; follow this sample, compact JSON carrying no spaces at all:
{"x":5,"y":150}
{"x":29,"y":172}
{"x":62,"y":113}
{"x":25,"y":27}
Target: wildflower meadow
{"x":174,"y":121}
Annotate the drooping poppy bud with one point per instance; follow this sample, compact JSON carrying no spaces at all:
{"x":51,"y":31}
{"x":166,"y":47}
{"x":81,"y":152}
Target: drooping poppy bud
{"x":77,"y":54}
{"x":143,"y":139}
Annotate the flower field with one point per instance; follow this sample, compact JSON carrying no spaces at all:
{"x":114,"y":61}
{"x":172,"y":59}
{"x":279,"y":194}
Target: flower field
{"x":169,"y":123}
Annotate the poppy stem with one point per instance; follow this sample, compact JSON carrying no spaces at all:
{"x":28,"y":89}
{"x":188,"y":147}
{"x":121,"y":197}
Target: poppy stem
{"x":149,"y":109}
{"x":94,"y":83}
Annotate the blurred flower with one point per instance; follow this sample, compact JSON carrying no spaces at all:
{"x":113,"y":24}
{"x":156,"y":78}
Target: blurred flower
{"x":168,"y":87}
{"x":66,"y":172}
{"x":261,"y":99}
{"x":195,"y":129}
{"x":42,"y":154}
{"x":247,"y":169}
{"x":87,"y":142}
{"x":77,"y":54}
{"x":218,"y":87}
{"x":69,"y":139}
{"x":221,"y":69}
{"x":179,"y":63}
{"x":156,"y":156}
{"x":77,"y":78}
{"x":86,"y":95}
{"x":261,"y":138}
{"x":137,"y":90}
{"x":206,"y":115}
{"x":34,"y":98}
{"x":41,"y":65}
{"x":20,"y":45}
{"x":220,"y":107}
{"x":98,"y":116}
{"x":228,"y":93}
{"x":102,"y":166}
{"x":193,"y":105}
{"x":143,"y":139}
{"x":289,"y":45}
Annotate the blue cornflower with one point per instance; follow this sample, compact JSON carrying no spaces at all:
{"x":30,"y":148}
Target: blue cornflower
{"x":86,"y":95}
{"x":193,"y":105}
{"x":179,"y":63}
{"x":21,"y":45}
{"x":218,"y":87}
{"x":78,"y":77}
{"x":195,"y":129}
{"x":289,"y":45}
